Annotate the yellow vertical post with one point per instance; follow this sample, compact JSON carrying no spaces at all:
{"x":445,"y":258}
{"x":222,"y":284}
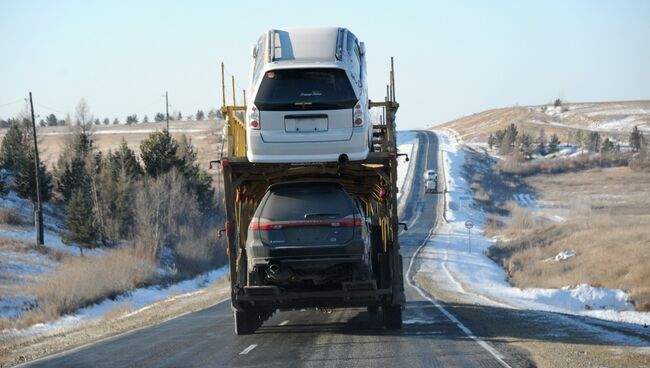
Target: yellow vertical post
{"x":234,"y":102}
{"x":223,"y":84}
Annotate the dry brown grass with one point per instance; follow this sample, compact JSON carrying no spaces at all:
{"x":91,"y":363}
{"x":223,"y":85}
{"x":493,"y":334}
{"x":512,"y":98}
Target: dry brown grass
{"x":10,"y":217}
{"x":81,"y":281}
{"x":608,"y":226}
{"x":478,"y":126}
{"x":563,"y":165}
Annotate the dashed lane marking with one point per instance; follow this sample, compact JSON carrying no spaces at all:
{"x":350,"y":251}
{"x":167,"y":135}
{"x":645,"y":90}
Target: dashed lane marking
{"x":283,"y":323}
{"x":248,"y":349}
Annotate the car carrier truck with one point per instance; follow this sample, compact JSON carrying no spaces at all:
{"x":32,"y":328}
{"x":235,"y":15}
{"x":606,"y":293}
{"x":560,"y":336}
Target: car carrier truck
{"x":371,"y":182}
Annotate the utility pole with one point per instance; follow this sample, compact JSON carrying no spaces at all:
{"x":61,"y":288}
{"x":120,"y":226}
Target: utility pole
{"x":38,"y":206}
{"x":167,"y":108}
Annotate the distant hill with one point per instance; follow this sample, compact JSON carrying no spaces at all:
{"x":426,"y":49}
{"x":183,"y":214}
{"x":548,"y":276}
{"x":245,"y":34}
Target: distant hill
{"x":613,"y":119}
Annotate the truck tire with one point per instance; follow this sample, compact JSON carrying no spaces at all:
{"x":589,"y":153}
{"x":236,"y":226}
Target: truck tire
{"x":392,"y":316}
{"x":373,"y":311}
{"x":245,"y":322}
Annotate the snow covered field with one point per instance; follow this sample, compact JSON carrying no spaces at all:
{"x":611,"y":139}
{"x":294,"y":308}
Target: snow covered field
{"x":471,"y":273}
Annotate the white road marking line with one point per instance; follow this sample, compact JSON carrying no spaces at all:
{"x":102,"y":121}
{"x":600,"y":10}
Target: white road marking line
{"x":248,"y":349}
{"x":283,"y":323}
{"x":495,"y":353}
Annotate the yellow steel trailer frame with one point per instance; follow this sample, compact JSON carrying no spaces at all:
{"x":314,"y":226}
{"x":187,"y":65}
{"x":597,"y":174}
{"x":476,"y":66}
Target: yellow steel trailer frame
{"x":373,"y":181}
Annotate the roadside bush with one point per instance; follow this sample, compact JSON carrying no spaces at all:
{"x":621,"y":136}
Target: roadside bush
{"x":562,"y":165}
{"x":10,"y":217}
{"x":80,"y":282}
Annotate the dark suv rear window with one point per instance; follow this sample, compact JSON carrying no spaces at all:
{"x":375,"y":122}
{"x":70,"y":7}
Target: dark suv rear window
{"x":302,"y":201}
{"x":305,"y":89}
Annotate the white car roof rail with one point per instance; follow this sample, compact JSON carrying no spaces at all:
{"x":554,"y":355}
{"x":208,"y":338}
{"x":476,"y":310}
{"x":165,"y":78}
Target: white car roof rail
{"x":340,"y":43}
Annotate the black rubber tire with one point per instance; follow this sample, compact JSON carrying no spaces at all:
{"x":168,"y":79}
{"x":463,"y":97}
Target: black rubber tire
{"x":392,"y":316}
{"x":373,"y":311}
{"x":245,"y":322}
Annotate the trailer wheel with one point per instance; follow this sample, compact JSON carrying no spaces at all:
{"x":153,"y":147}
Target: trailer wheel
{"x":373,"y":311}
{"x":245,"y":322}
{"x":392,"y":316}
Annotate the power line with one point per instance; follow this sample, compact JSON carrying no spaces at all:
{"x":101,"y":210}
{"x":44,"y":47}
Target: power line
{"x":50,"y":108}
{"x":12,"y":103}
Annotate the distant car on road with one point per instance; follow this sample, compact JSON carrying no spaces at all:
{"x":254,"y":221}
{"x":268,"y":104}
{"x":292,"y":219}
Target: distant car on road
{"x":430,"y":175}
{"x":430,"y":186}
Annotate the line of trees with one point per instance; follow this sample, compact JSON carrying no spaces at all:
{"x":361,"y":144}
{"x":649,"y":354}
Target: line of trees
{"x":52,"y":120}
{"x":159,"y":199}
{"x":510,"y":140}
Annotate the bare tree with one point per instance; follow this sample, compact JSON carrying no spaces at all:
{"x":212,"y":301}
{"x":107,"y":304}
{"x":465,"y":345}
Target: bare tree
{"x":84,"y":117}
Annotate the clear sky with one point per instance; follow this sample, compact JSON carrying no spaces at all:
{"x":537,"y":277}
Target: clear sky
{"x":453,"y":58}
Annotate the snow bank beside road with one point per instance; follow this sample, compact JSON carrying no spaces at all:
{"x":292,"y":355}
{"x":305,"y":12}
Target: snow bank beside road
{"x":407,"y":142}
{"x":473,"y":274}
{"x":137,"y":301}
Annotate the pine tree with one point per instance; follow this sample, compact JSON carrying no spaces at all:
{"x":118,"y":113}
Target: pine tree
{"x":159,"y":117}
{"x":579,"y":139}
{"x":25,"y":183}
{"x":117,"y":184}
{"x":554,"y":144}
{"x":158,"y":153}
{"x":106,"y":121}
{"x":79,"y":219}
{"x":125,"y":160}
{"x":593,"y":142}
{"x":3,"y":186}
{"x":145,"y":119}
{"x":115,"y":121}
{"x":51,"y":120}
{"x":635,"y":139}
{"x":541,"y":143}
{"x":74,"y":178}
{"x":509,"y":139}
{"x":608,"y":146}
{"x":179,"y":117}
{"x":491,"y":141}
{"x":526,"y":145}
{"x":200,"y":115}
{"x":14,"y":147}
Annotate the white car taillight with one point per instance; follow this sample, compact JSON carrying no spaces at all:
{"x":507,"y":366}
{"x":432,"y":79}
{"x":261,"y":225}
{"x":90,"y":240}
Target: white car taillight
{"x":254,"y":118}
{"x":358,"y":115}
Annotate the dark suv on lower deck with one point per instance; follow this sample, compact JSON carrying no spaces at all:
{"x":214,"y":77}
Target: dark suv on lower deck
{"x":307,"y":234}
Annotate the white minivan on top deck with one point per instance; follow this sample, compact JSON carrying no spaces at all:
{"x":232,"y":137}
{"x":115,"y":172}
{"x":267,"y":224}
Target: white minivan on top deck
{"x":308,"y":97}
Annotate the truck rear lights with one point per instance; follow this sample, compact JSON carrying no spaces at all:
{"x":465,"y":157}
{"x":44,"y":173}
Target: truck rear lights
{"x":263,"y":224}
{"x":358,"y":115}
{"x":254,"y":118}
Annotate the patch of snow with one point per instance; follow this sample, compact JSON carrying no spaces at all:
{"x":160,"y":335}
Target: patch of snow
{"x":564,"y":255}
{"x":469,"y":271}
{"x":27,"y":232}
{"x":12,"y":306}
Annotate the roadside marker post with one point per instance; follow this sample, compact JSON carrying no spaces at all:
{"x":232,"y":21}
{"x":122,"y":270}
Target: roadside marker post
{"x":469,"y":225}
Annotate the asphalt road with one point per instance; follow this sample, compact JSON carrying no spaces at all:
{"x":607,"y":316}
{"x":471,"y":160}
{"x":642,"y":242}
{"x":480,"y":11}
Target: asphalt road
{"x":343,"y":338}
